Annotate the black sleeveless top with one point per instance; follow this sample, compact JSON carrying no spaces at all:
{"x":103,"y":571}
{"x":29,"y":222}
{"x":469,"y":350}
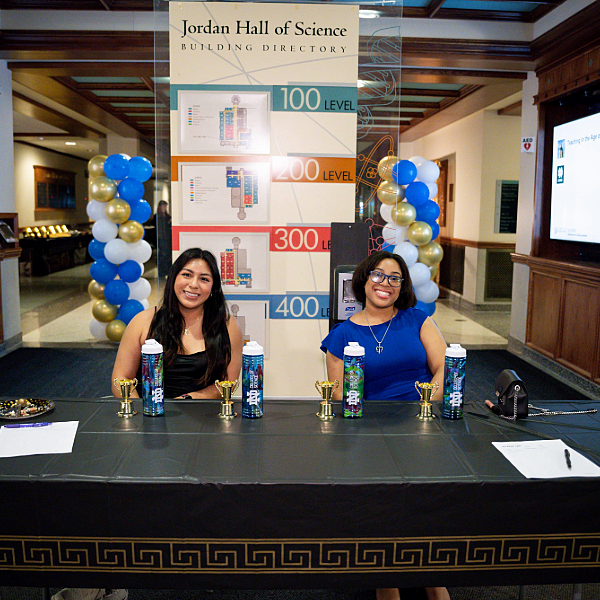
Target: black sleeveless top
{"x":183,"y":375}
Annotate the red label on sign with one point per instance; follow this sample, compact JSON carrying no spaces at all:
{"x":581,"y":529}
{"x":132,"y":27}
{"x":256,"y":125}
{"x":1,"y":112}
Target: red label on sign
{"x":301,"y":239}
{"x":282,"y":239}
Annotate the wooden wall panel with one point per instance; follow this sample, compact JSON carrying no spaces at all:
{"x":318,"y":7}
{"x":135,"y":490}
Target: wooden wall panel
{"x":543,"y":310}
{"x":579,"y":331}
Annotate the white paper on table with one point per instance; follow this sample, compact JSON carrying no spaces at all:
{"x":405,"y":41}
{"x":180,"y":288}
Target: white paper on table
{"x":545,"y":459}
{"x":31,"y":438}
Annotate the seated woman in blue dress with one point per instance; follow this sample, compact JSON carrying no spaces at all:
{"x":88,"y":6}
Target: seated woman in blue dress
{"x":402,"y":345}
{"x":201,"y":341}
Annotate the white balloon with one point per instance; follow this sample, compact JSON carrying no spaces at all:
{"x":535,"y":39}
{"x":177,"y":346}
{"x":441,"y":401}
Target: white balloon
{"x":98,"y":330}
{"x":96,"y":210}
{"x":145,"y":303}
{"x":143,"y":268}
{"x":140,"y":251}
{"x":401,"y":234}
{"x":140,"y":289}
{"x":116,"y":251}
{"x":419,"y":274}
{"x":104,"y":230}
{"x":408,"y":252}
{"x":389,"y":234}
{"x":428,"y":292}
{"x":433,"y":190}
{"x":428,"y":171}
{"x":385,"y":210}
{"x":417,"y":160}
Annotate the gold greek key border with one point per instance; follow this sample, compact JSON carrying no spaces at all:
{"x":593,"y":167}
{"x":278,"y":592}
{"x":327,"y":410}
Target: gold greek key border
{"x":299,"y":555}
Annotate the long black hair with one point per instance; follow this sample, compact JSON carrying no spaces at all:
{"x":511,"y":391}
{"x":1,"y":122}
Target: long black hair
{"x":168,"y":323}
{"x":406,"y":299}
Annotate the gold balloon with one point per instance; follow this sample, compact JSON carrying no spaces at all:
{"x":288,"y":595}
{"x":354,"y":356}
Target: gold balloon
{"x":96,"y":290}
{"x":131,"y":231}
{"x":115,"y":330}
{"x":434,"y":271}
{"x":104,"y":311}
{"x":390,"y":193}
{"x":96,"y":165}
{"x":385,"y":166}
{"x":404,"y":213}
{"x":431,"y":254}
{"x":118,"y":210}
{"x":102,"y":189}
{"x":419,"y":233}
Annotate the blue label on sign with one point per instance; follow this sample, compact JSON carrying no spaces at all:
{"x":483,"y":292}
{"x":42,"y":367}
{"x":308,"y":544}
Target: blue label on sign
{"x":291,"y":306}
{"x":306,"y":98}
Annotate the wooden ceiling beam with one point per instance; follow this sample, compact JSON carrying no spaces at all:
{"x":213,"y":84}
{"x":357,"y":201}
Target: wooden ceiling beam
{"x":120,"y":5}
{"x":85,"y":69}
{"x":36,"y":110}
{"x":50,"y":88}
{"x":72,"y":45}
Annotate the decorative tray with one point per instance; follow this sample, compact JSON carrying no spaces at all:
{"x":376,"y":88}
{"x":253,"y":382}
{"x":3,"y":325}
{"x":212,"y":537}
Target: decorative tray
{"x":24,"y":408}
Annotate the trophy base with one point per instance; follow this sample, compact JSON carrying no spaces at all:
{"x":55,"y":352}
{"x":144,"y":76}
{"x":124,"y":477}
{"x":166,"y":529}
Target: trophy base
{"x":227,"y":411}
{"x":326,"y":411}
{"x":425,"y":413}
{"x":127,"y":411}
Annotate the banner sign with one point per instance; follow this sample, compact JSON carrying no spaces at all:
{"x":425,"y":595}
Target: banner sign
{"x":263,"y":158}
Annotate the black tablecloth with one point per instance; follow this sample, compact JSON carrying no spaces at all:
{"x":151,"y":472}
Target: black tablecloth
{"x":190,"y":500}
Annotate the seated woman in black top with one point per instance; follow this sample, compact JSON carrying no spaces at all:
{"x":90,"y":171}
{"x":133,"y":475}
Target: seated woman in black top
{"x":201,"y":341}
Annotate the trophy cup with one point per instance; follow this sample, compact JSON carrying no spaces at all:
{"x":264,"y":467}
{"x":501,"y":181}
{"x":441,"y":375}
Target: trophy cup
{"x":127,"y":410}
{"x":326,"y":389}
{"x":226,"y":388}
{"x":425,"y":390}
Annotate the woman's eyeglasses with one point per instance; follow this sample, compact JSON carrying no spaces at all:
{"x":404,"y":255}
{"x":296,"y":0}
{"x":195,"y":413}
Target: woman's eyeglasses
{"x":379,"y":277}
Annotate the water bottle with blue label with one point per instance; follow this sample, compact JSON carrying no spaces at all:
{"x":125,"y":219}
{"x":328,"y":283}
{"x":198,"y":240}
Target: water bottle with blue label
{"x":153,"y":391}
{"x":454,"y":382}
{"x":252,"y":380}
{"x":354,"y":379}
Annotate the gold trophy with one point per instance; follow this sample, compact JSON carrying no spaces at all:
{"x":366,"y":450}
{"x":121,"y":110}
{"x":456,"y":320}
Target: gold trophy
{"x":425,"y":391}
{"x":326,"y":389}
{"x":127,"y":410}
{"x":226,"y":388}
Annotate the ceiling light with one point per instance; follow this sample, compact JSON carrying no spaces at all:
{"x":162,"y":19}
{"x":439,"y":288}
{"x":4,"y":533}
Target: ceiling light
{"x":70,"y":143}
{"x":364,"y":13}
{"x":41,"y":138}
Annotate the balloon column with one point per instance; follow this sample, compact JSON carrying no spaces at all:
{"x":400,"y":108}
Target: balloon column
{"x":118,"y":248}
{"x":406,"y":193}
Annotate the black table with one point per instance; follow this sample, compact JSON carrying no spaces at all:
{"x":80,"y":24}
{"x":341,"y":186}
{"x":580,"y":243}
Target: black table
{"x":288,"y":501}
{"x":48,"y":255}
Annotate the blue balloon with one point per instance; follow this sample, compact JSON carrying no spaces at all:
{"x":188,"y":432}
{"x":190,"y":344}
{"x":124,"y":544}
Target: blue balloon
{"x":435,"y":228}
{"x":140,"y":168}
{"x":129,"y":271}
{"x":96,"y":249}
{"x":129,"y":309}
{"x":140,"y":211}
{"x":116,"y":166}
{"x":132,"y":189}
{"x":428,"y":211}
{"x":116,"y":291}
{"x":428,"y":308}
{"x":404,"y":172}
{"x":103,"y":271}
{"x":417,"y":193}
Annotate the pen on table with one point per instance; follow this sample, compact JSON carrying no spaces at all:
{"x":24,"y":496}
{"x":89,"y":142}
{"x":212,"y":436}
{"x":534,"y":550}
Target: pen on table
{"x":568,"y":457}
{"x":495,"y":409}
{"x":19,"y":425}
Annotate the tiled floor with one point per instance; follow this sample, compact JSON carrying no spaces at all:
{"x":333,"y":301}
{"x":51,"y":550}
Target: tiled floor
{"x":57,"y":309}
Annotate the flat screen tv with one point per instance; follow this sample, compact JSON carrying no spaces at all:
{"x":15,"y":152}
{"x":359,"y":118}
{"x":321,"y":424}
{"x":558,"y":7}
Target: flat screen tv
{"x":575,"y":200}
